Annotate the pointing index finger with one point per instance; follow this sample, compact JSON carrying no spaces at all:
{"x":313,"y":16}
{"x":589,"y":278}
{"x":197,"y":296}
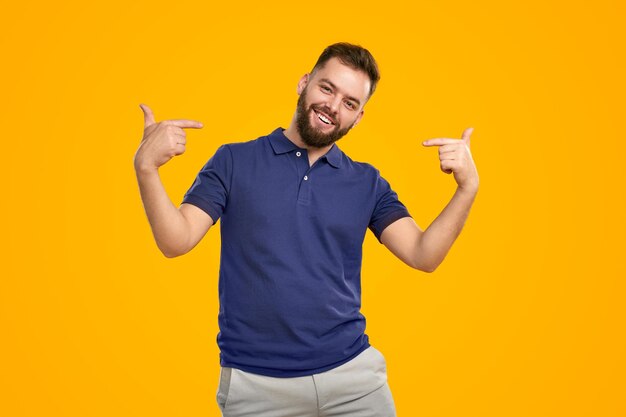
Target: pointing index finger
{"x":185,"y":123}
{"x":440,"y":141}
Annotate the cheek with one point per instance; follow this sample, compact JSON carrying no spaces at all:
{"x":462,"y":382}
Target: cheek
{"x":347,"y":117}
{"x":316,"y":98}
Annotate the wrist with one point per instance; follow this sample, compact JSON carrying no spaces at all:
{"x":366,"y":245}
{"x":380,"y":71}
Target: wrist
{"x":471,"y":189}
{"x":143,"y":169}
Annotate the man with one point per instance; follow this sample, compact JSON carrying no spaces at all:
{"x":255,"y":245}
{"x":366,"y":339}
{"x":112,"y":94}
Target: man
{"x":295,"y":210}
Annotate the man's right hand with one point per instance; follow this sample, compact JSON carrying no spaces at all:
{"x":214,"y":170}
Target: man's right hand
{"x":161,"y":141}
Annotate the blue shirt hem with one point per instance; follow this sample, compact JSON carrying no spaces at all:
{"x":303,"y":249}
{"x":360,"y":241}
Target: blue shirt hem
{"x":290,"y":374}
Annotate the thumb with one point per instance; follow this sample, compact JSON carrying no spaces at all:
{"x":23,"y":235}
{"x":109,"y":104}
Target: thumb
{"x":148,"y":116}
{"x":466,"y":135}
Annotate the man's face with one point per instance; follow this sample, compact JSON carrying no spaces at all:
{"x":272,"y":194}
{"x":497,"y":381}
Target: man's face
{"x":331,"y":102}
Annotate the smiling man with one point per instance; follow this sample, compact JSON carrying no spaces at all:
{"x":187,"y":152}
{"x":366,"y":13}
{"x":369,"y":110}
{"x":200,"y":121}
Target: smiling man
{"x":336,"y":112}
{"x":295,"y":210}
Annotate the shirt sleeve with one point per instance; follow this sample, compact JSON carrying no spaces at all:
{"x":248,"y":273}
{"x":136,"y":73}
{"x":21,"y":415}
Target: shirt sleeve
{"x":211,"y":186}
{"x":388,"y":207}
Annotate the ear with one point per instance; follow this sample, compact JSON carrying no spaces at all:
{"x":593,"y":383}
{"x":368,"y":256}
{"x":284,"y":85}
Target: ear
{"x":359,"y":117}
{"x":302,"y":83}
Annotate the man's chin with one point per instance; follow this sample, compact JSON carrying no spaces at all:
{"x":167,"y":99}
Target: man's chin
{"x":318,"y":136}
{"x":313,"y":136}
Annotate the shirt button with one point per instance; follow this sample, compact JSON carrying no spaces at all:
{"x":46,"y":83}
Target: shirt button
{"x":298,"y":153}
{"x":306,"y":177}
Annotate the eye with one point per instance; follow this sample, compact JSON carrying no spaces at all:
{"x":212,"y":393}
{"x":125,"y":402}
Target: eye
{"x":350,"y":105}
{"x":326,"y":89}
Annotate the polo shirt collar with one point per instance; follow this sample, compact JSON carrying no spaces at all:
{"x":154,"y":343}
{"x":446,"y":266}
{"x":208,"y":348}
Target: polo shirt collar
{"x":281,"y":144}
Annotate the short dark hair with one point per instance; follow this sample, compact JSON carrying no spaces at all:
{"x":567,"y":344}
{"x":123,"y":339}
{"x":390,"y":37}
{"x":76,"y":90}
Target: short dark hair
{"x":354,"y":56}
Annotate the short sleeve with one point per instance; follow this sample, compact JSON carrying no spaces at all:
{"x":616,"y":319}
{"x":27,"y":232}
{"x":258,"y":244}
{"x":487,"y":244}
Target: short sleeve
{"x":388,"y":207}
{"x":211,"y":187}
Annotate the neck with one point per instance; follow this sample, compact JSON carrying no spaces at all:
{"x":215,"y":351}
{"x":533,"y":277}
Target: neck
{"x":293,"y":135}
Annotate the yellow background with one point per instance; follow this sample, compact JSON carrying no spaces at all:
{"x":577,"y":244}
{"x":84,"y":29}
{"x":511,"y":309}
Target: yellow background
{"x":525,"y":317}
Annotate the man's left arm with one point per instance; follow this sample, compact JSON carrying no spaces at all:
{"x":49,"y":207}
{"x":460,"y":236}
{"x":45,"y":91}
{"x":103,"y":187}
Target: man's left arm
{"x":425,"y":250}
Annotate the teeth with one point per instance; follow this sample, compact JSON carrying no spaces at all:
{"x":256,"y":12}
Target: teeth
{"x":323,"y":118}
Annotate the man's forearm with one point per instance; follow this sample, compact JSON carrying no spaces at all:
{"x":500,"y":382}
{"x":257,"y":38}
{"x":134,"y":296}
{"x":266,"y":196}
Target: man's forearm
{"x":168,"y":224}
{"x":438,"y":238}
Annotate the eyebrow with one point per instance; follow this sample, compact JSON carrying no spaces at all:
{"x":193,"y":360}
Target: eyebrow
{"x":327,"y":81}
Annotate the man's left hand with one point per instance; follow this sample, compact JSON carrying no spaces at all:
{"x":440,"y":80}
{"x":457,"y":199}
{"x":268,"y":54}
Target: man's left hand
{"x":455,"y":157}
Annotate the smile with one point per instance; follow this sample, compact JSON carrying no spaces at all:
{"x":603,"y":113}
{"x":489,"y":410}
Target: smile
{"x":325,"y":119}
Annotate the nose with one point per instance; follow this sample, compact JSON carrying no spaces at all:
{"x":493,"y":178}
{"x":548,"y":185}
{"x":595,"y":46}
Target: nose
{"x":334,"y":104}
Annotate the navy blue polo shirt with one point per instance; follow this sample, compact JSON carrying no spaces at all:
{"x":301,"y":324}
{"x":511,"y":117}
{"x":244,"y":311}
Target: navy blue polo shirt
{"x":290,"y":268}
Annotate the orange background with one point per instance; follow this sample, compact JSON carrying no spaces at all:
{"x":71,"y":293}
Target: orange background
{"x":525,"y":317}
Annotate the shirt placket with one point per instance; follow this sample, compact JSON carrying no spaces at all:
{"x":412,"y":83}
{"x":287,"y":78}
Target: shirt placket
{"x":304,"y":176}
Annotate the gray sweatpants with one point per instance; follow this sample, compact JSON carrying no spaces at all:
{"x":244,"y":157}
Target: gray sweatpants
{"x":358,"y":388}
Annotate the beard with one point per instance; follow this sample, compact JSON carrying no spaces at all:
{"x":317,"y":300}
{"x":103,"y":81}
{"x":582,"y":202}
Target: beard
{"x":310,"y":134}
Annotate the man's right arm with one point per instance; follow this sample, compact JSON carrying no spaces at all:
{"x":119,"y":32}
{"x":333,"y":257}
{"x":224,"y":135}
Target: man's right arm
{"x":176,"y":230}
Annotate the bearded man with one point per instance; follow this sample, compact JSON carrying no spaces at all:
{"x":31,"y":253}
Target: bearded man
{"x":295,"y":210}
